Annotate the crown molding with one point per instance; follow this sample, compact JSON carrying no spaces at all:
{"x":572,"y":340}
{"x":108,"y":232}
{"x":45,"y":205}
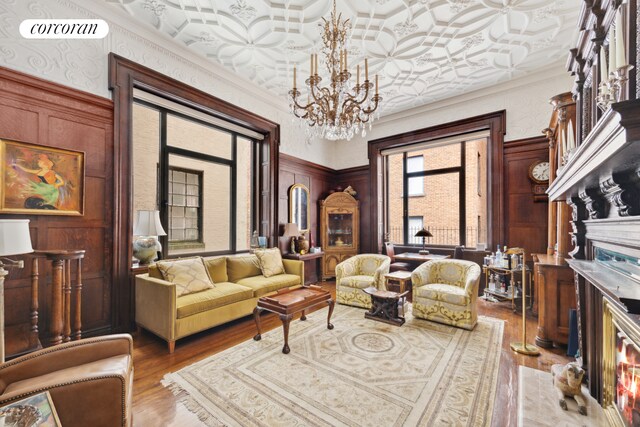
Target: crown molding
{"x":554,"y":70}
{"x":117,"y":16}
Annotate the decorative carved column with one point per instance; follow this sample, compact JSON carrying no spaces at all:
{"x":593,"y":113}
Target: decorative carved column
{"x":621,"y":193}
{"x":578,"y":229}
{"x":553,"y":206}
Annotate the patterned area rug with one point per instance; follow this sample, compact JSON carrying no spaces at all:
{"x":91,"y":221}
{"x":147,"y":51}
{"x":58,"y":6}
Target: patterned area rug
{"x":362,"y":373}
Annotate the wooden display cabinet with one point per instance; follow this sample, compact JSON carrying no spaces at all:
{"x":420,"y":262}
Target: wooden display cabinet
{"x":339,"y":230}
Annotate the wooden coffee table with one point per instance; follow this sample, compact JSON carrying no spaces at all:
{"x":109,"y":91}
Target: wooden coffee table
{"x":384,"y":306}
{"x":288,"y":302}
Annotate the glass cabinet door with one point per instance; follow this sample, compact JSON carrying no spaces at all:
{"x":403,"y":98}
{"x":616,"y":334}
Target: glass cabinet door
{"x":340,"y":229}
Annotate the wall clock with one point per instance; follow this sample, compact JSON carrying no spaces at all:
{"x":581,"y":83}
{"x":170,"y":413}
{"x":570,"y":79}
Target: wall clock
{"x":539,"y":172}
{"x":539,"y":175}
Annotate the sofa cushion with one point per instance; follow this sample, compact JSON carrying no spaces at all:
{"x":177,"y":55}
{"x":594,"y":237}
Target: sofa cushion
{"x":239,"y":267}
{"x":189,"y":275}
{"x":270,"y":261}
{"x":221,"y":294}
{"x":359,"y":282}
{"x":217,"y":268}
{"x":443,"y":292}
{"x":263,"y":285}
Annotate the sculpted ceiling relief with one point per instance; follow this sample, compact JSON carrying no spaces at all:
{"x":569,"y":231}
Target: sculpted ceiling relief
{"x":427,"y":50}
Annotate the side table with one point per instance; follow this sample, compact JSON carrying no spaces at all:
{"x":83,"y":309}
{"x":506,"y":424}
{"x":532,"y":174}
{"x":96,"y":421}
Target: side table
{"x":384,"y":306}
{"x":402,"y":279}
{"x":311,"y":265}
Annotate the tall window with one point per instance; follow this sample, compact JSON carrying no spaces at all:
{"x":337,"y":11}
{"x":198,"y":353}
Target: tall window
{"x":200,"y":175}
{"x":415,"y":224}
{"x":416,"y":183}
{"x":185,"y":213}
{"x":440,"y":186}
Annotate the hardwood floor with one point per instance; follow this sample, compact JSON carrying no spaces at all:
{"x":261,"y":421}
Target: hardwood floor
{"x":155,"y":405}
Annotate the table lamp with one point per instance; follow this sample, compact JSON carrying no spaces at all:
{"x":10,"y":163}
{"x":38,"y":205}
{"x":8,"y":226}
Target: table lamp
{"x":14,"y":240}
{"x":147,"y":229}
{"x":523,"y":347}
{"x":291,"y":230}
{"x":424,"y":233}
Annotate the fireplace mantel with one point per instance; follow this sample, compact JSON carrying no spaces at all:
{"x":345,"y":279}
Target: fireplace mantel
{"x":620,"y":289}
{"x":612,"y":147}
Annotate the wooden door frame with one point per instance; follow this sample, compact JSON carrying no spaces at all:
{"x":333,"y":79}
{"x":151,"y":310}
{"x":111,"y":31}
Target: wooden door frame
{"x":125,"y":76}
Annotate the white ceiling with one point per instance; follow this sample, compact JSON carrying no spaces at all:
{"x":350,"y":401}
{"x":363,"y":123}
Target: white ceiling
{"x":423,"y":50}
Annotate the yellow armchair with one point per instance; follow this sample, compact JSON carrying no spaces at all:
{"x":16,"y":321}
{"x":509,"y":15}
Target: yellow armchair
{"x":446,"y":291}
{"x":356,"y":274}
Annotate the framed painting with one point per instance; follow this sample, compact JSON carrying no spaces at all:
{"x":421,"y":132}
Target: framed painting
{"x":38,"y":180}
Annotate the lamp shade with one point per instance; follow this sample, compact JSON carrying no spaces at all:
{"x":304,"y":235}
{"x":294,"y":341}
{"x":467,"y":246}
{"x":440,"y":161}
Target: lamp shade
{"x":14,"y":237}
{"x":423,"y":233}
{"x":291,"y":229}
{"x":148,"y":224}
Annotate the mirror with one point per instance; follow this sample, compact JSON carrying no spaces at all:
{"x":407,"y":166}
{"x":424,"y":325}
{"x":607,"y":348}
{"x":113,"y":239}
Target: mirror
{"x":299,"y":207}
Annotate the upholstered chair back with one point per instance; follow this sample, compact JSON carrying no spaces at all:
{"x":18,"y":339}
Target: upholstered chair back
{"x":367,"y":264}
{"x":451,"y":272}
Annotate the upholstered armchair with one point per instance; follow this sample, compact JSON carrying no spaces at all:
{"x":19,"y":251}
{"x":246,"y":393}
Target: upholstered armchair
{"x":358,"y":273}
{"x":90,"y":380}
{"x":446,"y":291}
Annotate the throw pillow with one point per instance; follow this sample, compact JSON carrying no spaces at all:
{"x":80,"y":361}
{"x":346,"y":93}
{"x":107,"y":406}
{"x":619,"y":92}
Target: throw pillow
{"x":189,"y":275}
{"x":270,"y":261}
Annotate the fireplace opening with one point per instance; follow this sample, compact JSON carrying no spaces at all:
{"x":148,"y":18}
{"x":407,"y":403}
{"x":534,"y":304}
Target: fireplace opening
{"x":627,"y":397}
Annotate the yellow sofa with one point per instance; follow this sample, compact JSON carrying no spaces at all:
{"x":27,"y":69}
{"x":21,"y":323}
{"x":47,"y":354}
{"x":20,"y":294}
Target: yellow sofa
{"x":238,"y":283}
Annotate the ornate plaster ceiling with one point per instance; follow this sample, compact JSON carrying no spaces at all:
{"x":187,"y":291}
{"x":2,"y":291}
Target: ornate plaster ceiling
{"x":423,"y":50}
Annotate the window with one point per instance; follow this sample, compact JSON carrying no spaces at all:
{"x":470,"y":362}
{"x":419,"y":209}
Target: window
{"x":185,"y":213}
{"x":205,"y":179}
{"x":439,"y":185}
{"x":479,"y":173}
{"x":416,"y":184}
{"x":415,"y":225}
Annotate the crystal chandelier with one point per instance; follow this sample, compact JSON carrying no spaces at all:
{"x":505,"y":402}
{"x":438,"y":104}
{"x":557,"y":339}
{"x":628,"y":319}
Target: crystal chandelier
{"x":339,"y":110}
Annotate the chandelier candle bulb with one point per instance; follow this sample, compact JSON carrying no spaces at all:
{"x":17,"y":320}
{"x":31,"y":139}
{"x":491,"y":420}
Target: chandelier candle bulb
{"x":604,"y":73}
{"x":621,"y":59}
{"x":376,"y":84}
{"x":366,"y":69}
{"x":316,"y":64}
{"x":357,"y":75}
{"x":345,"y":60}
{"x":570,"y":139}
{"x":612,"y":51}
{"x":294,"y":78}
{"x":311,"y":65}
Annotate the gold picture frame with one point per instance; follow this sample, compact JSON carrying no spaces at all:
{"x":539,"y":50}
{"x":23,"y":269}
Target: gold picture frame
{"x":40,"y":180}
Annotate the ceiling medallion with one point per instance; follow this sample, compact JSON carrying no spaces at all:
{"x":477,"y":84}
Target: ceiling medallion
{"x":405,"y":28}
{"x":155,"y":6}
{"x":243,"y":11}
{"x":341,"y":109}
{"x":459,"y":5}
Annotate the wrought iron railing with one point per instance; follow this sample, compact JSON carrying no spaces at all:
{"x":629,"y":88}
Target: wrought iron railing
{"x":445,"y":236}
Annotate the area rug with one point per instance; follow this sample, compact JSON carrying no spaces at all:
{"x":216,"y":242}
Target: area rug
{"x":538,"y":404}
{"x":361,"y":373}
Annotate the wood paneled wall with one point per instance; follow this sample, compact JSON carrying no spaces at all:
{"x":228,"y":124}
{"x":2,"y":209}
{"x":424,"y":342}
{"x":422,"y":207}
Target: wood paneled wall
{"x":37,"y":111}
{"x":321,"y":180}
{"x":358,"y":178}
{"x":525,"y":220}
{"x":318,"y":179}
